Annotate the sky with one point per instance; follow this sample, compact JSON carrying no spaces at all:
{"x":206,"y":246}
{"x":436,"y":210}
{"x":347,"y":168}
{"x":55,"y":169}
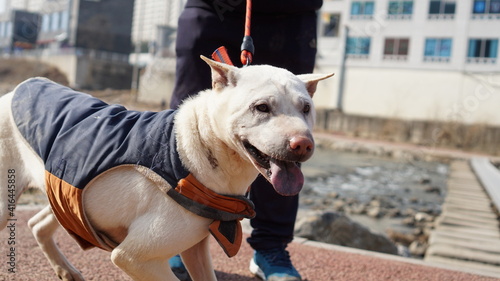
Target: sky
{"x":2,"y":5}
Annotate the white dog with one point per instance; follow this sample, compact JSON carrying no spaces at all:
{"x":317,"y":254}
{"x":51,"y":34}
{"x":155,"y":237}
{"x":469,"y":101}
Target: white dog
{"x":144,"y":187}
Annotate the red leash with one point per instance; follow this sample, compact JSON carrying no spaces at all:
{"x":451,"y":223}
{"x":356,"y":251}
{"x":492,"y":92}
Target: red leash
{"x":247,"y":47}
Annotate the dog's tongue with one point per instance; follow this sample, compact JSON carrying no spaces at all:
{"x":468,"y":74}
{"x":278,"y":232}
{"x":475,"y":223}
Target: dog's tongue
{"x":286,"y":177}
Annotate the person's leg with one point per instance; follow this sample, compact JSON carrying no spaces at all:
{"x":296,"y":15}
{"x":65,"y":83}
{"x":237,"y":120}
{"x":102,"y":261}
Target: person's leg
{"x":275,"y":219}
{"x":272,"y":231}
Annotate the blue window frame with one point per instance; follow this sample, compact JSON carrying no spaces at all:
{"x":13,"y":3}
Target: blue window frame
{"x":46,"y":22}
{"x":438,"y":47}
{"x":494,"y":7}
{"x":442,"y":7}
{"x":362,"y":8}
{"x":358,"y":45}
{"x":64,"y":19}
{"x":400,"y":7}
{"x":55,"y":21}
{"x":479,"y":7}
{"x":483,"y":48}
{"x":486,"y":7}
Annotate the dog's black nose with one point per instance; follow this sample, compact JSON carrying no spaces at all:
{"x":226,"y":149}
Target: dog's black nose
{"x":302,"y":146}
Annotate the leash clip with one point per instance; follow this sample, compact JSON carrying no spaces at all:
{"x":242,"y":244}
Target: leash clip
{"x":247,"y":50}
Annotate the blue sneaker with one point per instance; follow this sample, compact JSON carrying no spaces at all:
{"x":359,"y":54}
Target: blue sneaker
{"x":274,"y":265}
{"x":178,"y":268}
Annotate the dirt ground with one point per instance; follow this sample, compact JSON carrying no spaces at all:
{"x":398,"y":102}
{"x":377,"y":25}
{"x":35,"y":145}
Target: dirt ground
{"x":314,"y":263}
{"x":15,"y":70}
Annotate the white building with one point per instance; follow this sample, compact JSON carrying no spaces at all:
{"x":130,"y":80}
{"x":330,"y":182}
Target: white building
{"x":148,"y":14}
{"x":153,"y":27}
{"x":414,"y":60}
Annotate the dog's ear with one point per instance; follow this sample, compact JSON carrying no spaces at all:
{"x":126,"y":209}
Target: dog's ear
{"x":311,"y":81}
{"x":223,"y":75}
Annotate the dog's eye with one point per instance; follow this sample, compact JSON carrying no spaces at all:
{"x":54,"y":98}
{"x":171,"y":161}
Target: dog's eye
{"x":263,"y":108}
{"x":307,"y":108}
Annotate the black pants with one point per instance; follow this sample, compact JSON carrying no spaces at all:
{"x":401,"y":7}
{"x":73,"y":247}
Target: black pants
{"x":287,"y":41}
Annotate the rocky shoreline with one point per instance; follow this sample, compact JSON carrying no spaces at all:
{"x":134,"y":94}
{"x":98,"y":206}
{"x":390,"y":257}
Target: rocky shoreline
{"x":402,"y":199}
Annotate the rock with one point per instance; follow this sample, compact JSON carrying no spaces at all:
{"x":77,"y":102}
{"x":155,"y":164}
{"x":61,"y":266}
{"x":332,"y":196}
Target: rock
{"x":425,"y":181}
{"x":333,"y":195}
{"x":433,"y":189}
{"x":423,"y":217}
{"x":351,"y":201}
{"x":426,"y":210}
{"x":358,"y":209}
{"x":403,"y":238}
{"x":327,"y":202}
{"x":382,"y":202}
{"x":375,"y":203}
{"x":418,"y":248}
{"x":338,"y":205}
{"x":409,"y":212}
{"x":403,"y":251}
{"x":335,"y":228}
{"x":393,"y":213}
{"x":374,"y":212}
{"x":408,"y":221}
{"x":308,"y":201}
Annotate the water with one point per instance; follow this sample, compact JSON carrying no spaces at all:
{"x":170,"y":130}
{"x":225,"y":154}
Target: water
{"x":360,"y":178}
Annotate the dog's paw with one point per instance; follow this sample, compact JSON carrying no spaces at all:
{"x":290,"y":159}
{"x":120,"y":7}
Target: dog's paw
{"x":70,"y":274}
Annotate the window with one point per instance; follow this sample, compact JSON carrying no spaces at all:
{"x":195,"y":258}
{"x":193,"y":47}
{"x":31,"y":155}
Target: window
{"x":46,"y":22}
{"x":483,"y":48}
{"x":8,"y":29}
{"x":1,"y":29}
{"x":400,"y":9}
{"x":358,"y":46}
{"x":54,"y":21}
{"x":64,"y":19}
{"x":361,"y":9}
{"x":330,"y":24}
{"x":396,"y":48}
{"x":441,"y":9}
{"x":437,"y":49}
{"x":486,"y":7}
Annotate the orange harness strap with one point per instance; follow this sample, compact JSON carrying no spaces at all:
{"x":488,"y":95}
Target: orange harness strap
{"x":191,"y":188}
{"x":225,"y":210}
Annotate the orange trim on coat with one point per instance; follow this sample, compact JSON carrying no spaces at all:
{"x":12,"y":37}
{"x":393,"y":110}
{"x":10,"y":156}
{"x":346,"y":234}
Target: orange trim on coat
{"x":67,"y":205}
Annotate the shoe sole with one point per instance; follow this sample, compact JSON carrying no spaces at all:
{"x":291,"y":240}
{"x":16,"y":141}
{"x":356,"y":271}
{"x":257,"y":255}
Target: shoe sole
{"x":255,"y":269}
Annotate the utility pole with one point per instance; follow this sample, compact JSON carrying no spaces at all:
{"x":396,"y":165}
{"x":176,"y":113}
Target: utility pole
{"x":340,"y":98}
{"x":137,"y":49}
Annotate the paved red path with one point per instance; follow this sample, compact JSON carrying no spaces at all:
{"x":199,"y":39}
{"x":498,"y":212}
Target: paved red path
{"x":314,"y":263}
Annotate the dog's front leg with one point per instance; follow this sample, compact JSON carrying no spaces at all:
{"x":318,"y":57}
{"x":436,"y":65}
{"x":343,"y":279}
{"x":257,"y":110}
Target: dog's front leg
{"x":138,"y":262}
{"x":198,"y":261}
{"x":43,"y":225}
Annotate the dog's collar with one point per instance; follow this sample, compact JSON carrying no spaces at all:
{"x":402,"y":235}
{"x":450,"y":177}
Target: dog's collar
{"x":225,"y":210}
